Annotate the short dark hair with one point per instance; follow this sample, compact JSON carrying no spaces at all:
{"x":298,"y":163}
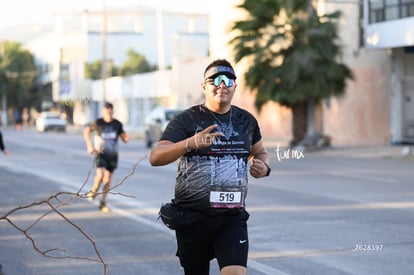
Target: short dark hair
{"x":219,"y":66}
{"x":108,"y":105}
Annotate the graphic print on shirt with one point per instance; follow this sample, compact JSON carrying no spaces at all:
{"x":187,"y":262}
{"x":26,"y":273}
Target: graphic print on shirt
{"x":226,"y":127}
{"x":109,"y":133}
{"x":228,"y":184}
{"x":216,"y":176}
{"x":213,"y":177}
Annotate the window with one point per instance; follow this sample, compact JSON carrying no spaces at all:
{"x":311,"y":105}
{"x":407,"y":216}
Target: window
{"x":407,"y":8}
{"x":384,"y":10}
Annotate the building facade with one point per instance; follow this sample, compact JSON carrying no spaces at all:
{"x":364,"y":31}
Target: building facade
{"x":162,"y":37}
{"x":390,"y":26}
{"x":360,"y":117}
{"x":377,"y":36}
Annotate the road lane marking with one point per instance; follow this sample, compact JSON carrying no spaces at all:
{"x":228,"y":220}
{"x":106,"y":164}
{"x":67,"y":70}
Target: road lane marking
{"x":362,"y":177}
{"x":265,"y":269}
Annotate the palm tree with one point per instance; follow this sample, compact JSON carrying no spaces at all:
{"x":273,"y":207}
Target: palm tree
{"x":294,"y":56}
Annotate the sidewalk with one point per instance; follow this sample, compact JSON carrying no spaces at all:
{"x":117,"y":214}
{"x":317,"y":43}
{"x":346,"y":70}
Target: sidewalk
{"x":385,"y":151}
{"x":390,"y":151}
{"x":133,"y":133}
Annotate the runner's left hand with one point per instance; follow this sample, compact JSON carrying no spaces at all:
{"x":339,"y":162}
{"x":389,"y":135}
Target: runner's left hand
{"x":258,"y":168}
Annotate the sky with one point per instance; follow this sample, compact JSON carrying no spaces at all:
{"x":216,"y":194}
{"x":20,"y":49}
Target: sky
{"x":19,"y":12}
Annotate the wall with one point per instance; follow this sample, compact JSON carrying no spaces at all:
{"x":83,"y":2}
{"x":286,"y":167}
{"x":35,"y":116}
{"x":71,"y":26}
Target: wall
{"x":390,"y":34}
{"x":187,"y":76}
{"x":274,"y":120}
{"x":360,"y":117}
{"x":402,"y":96}
{"x":133,"y":96}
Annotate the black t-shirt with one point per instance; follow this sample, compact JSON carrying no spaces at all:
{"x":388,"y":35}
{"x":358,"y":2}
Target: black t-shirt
{"x":216,"y":176}
{"x":2,"y":147}
{"x":109,"y":132}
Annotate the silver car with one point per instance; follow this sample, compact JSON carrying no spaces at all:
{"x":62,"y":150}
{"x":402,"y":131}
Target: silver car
{"x":156,"y":122}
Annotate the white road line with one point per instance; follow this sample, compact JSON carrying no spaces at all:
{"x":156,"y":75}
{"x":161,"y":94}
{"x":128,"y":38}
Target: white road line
{"x":265,"y":269}
{"x":361,"y":177}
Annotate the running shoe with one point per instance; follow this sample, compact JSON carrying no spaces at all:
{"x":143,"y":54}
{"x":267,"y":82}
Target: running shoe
{"x":91,"y":196}
{"x":103,"y":207}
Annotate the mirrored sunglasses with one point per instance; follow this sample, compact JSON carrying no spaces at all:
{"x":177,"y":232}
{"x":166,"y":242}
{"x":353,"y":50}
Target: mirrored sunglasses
{"x":222,"y":78}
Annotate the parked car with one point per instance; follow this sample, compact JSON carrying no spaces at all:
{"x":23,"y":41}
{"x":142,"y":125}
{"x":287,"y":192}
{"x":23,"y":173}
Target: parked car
{"x":155,"y":123}
{"x":50,"y":121}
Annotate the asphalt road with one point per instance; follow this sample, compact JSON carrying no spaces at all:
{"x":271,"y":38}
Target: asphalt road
{"x":330,"y":212}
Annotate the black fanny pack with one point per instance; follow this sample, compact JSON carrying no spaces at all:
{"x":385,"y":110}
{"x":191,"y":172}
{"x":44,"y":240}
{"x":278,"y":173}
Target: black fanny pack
{"x":176,"y":217}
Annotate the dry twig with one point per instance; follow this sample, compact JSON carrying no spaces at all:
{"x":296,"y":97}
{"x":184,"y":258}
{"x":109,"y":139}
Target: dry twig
{"x":54,"y":203}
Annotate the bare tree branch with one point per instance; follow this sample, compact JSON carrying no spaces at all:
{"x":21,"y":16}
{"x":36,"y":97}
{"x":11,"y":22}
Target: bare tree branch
{"x":54,"y":203}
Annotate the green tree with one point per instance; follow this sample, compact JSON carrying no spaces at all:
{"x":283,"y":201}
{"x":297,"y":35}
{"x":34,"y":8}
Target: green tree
{"x":93,"y":70}
{"x":17,"y":74}
{"x":135,"y":64}
{"x":294,"y":54}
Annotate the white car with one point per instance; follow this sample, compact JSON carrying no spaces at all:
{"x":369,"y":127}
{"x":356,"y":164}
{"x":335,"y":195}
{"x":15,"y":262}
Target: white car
{"x":50,"y":121}
{"x":156,"y":122}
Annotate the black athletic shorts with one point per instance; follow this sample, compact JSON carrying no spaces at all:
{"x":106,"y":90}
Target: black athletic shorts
{"x":107,"y":161}
{"x":223,"y":237}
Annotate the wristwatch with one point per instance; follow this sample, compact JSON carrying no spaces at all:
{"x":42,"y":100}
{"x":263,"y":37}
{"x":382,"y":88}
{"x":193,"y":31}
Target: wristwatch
{"x":268,"y":169}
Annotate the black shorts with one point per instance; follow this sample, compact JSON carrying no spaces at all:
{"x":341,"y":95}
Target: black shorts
{"x":107,"y":161}
{"x":223,"y":237}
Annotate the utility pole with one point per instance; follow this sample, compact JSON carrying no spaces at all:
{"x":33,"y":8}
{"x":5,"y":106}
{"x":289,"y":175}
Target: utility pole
{"x":160,"y":38}
{"x":4,"y":97}
{"x":104,"y":72}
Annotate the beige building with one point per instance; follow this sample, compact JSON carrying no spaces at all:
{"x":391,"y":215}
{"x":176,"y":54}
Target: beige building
{"x":377,"y":108}
{"x":162,"y":36}
{"x":360,"y":117}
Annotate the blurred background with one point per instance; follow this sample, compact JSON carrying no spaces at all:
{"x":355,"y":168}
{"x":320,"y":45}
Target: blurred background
{"x":340,"y":77}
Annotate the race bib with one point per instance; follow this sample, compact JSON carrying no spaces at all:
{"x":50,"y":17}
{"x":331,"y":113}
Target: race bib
{"x":226,"y":197}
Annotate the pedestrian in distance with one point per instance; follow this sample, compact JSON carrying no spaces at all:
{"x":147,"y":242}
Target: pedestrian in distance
{"x":104,"y":146}
{"x":2,"y":146}
{"x":217,"y":145}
